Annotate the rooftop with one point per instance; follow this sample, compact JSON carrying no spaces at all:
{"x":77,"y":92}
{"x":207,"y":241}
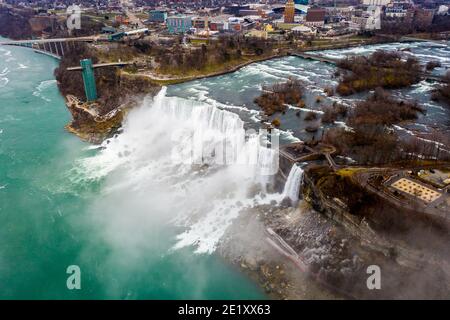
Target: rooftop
{"x":315,"y":15}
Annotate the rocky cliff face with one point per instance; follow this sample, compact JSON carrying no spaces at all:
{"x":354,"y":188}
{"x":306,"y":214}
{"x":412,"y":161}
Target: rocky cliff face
{"x":88,"y":125}
{"x":410,"y":270}
{"x":14,"y":23}
{"x":117,"y":91}
{"x":93,"y":122}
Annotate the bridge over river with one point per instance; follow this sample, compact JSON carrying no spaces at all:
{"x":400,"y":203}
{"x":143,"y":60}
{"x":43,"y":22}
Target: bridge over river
{"x":55,"y":48}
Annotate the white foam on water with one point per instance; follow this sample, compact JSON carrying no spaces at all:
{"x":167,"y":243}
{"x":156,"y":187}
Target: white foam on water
{"x":167,"y":160}
{"x":434,"y":106}
{"x":343,"y":125}
{"x":422,"y":87}
{"x":9,"y":118}
{"x":305,"y":109}
{"x":40,"y":89}
{"x":286,"y":135}
{"x":436,"y":143}
{"x":4,"y":72}
{"x":255,"y":70}
{"x":22,"y":66}
{"x":4,"y":82}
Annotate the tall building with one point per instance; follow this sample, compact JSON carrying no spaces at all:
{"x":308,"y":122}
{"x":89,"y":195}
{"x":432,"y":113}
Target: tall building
{"x":88,"y":79}
{"x":179,"y":24}
{"x":157,"y":16}
{"x":289,"y":11}
{"x":315,"y":17}
{"x":376,"y":2}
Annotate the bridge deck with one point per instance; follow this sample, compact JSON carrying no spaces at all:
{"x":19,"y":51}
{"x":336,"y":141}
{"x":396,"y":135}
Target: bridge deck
{"x":100,"y":65}
{"x":38,"y":41}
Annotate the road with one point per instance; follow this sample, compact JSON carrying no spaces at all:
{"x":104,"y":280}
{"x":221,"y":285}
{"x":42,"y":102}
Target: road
{"x":131,"y":16}
{"x":100,"y":65}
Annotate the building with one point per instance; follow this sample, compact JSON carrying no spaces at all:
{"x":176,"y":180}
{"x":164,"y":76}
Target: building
{"x":303,"y":30}
{"x":249,"y":12}
{"x":423,"y":18}
{"x":367,"y":20}
{"x":218,"y":23}
{"x":88,"y":79}
{"x":234,"y":9}
{"x":257,"y":34}
{"x":179,"y":24}
{"x":376,"y":2}
{"x":289,"y":11}
{"x":442,"y":10}
{"x":373,"y":18}
{"x":315,"y":17}
{"x":396,"y":12}
{"x":116,"y":36}
{"x":159,"y":16}
{"x":235,"y":24}
{"x":200,"y":22}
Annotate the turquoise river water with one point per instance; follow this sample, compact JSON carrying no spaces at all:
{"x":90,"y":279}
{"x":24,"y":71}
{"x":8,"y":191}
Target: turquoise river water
{"x":49,"y":220}
{"x":140,"y":217}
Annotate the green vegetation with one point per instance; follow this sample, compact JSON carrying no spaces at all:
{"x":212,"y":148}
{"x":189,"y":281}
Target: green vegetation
{"x":114,"y":86}
{"x":310,"y":116}
{"x":370,"y":141}
{"x":275,"y":98}
{"x":381,"y":109}
{"x":432,"y":64}
{"x":276,"y":122}
{"x":14,"y":23}
{"x":348,"y":172}
{"x":381,"y":69}
{"x":331,"y":113}
{"x":225,"y":53}
{"x":442,"y":93}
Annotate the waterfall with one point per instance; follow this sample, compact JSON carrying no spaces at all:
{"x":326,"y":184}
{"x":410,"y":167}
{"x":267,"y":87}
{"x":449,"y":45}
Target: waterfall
{"x":185,"y":162}
{"x":293,"y":183}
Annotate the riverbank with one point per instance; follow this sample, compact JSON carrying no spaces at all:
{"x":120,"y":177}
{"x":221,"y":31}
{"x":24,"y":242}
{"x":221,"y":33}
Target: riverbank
{"x":170,"y":80}
{"x":56,"y":214}
{"x":136,"y":83}
{"x":321,"y":250}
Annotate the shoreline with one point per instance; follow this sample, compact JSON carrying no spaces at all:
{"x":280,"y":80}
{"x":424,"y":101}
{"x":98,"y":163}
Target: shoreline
{"x":85,"y":128}
{"x":177,"y":80}
{"x":281,"y":263}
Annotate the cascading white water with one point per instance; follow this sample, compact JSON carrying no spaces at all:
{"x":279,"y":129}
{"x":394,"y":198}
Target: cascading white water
{"x":293,"y":183}
{"x":185,"y":161}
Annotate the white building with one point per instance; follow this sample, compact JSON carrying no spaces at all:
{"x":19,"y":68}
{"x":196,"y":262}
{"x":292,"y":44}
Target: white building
{"x":443,"y":10}
{"x":368,"y":20}
{"x":303,"y":30}
{"x":396,"y":12}
{"x":376,"y":2}
{"x":374,"y":18}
